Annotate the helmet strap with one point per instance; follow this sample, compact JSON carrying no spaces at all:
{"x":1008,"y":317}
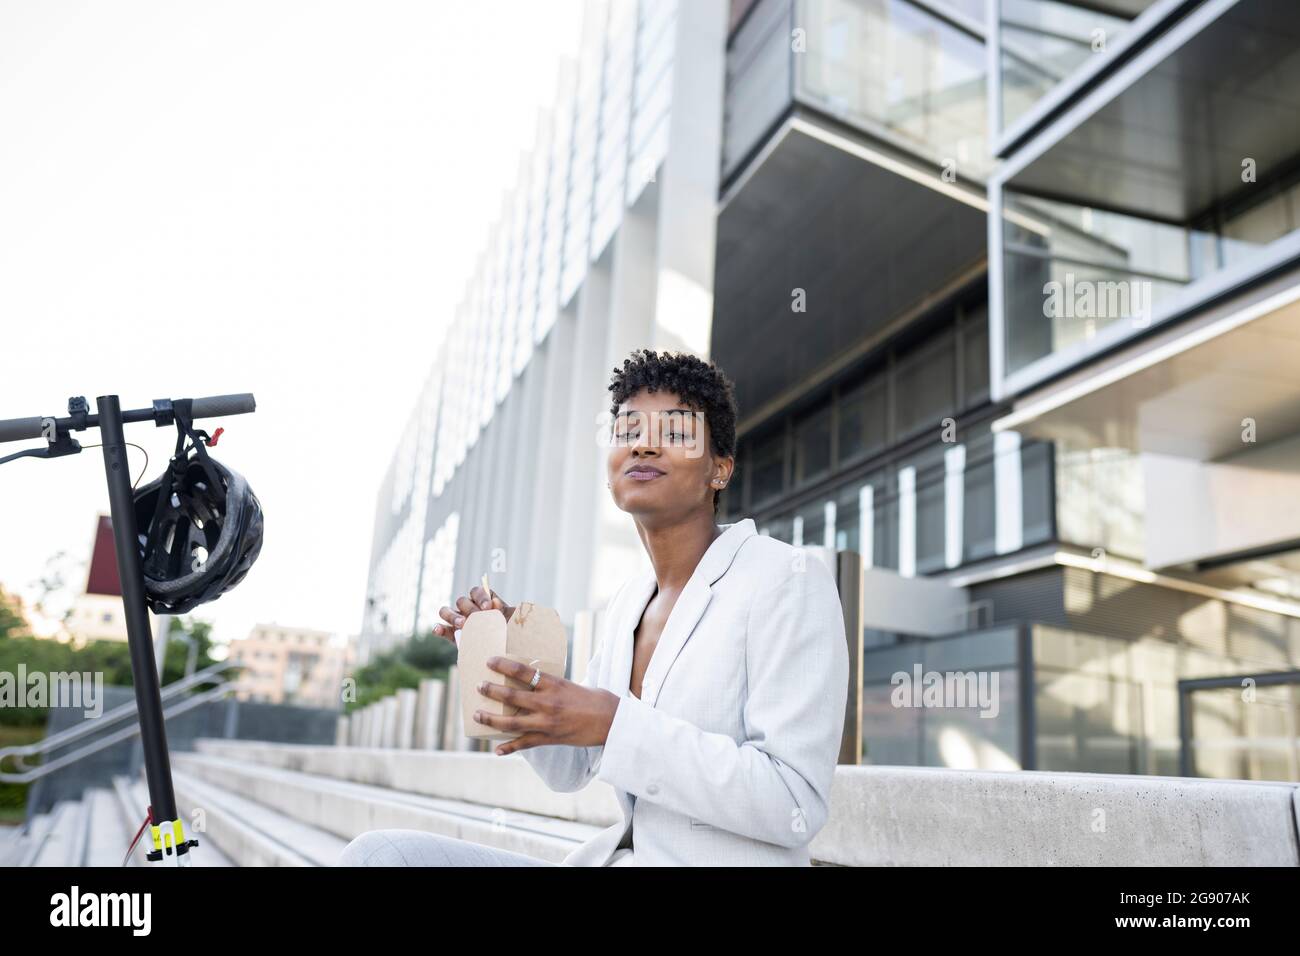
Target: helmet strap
{"x":174,"y":482}
{"x":182,"y":409}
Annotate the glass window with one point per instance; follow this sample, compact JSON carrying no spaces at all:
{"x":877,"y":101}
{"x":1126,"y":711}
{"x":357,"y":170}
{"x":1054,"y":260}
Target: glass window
{"x":885,"y":521}
{"x":1044,"y":41}
{"x":848,"y":518}
{"x":767,"y":473}
{"x":759,"y":72}
{"x":862,"y":420}
{"x":813,"y":446}
{"x":979,"y":528}
{"x":812,"y":517}
{"x":1071,"y":271}
{"x":1247,"y":229}
{"x":925,"y":381}
{"x":890,"y":735}
{"x":1036,"y":489}
{"x":781,"y":528}
{"x":975,"y":355}
{"x":965,"y":738}
{"x":891,"y":65}
{"x":930,"y":514}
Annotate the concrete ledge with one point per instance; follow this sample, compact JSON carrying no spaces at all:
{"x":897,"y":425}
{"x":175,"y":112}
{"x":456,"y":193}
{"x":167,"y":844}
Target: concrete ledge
{"x":920,"y":816}
{"x":880,"y":816}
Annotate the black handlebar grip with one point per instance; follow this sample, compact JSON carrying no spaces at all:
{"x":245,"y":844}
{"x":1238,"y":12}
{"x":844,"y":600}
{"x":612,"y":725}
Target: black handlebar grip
{"x":217,"y":406}
{"x":16,"y":429}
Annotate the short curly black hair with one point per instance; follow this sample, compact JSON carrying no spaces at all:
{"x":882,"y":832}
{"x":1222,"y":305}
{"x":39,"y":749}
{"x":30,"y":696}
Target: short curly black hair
{"x":700,"y":385}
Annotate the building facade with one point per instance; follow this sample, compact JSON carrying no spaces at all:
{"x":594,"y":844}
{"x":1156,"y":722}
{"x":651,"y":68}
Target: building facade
{"x":1006,"y":289}
{"x":947,"y":232}
{"x":1144,"y":282}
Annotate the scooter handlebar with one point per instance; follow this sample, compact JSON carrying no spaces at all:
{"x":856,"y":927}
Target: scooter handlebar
{"x":216,"y":406}
{"x":18,"y":429}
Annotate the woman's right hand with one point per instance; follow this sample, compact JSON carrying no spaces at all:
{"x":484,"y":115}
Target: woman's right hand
{"x":476,"y":600}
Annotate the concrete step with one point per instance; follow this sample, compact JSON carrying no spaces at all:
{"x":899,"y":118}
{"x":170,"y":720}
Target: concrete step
{"x":27,"y":841}
{"x":62,"y":841}
{"x":349,"y":809}
{"x":508,"y":783}
{"x":250,"y":833}
{"x":31,"y":839}
{"x":107,"y":836}
{"x":132,"y":799}
{"x":13,"y":845}
{"x":132,"y":804}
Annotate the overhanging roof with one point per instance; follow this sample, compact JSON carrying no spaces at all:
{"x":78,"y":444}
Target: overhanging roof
{"x":867,"y":236}
{"x":1171,"y":141}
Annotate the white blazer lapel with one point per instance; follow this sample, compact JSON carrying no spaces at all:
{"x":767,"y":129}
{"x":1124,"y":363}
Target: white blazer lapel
{"x":639,"y":594}
{"x":690,"y":606}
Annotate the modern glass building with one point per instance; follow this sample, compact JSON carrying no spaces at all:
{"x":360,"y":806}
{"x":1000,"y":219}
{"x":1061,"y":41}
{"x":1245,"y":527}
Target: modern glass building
{"x":1008,"y":289}
{"x":1144,"y":287}
{"x":939,"y":223}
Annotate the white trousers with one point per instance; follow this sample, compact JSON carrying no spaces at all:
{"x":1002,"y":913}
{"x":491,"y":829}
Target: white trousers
{"x":418,"y":848}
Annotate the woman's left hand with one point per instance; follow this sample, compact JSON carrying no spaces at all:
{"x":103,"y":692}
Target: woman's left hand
{"x":557,"y":711}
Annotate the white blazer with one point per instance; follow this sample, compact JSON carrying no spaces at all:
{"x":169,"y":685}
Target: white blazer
{"x":728,"y":756}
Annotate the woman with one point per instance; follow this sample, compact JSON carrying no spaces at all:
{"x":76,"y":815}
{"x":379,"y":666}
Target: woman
{"x":715,"y":703}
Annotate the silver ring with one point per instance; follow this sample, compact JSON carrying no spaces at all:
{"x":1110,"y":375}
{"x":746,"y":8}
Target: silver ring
{"x":537,"y":678}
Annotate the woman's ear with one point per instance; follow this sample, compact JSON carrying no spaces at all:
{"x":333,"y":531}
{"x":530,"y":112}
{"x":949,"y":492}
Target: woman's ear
{"x":722,"y":472}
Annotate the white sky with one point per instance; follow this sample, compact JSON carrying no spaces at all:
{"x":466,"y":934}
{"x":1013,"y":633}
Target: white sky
{"x":282,"y":196}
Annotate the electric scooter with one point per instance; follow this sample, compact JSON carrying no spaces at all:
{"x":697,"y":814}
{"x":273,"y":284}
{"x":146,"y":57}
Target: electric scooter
{"x":167,"y":830}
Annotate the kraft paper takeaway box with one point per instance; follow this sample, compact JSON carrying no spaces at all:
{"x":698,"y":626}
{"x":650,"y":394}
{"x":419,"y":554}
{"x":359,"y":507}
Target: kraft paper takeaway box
{"x":533,"y":636}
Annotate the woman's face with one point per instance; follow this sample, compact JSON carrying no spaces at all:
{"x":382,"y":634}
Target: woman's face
{"x":660,"y":458}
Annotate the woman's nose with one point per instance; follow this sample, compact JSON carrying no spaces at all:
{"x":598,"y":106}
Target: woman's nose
{"x":643,"y":442}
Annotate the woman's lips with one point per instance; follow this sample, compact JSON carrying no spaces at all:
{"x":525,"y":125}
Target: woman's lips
{"x":643,"y":474}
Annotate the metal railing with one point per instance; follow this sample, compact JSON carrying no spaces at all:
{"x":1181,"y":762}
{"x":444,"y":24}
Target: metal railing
{"x":27,"y":773}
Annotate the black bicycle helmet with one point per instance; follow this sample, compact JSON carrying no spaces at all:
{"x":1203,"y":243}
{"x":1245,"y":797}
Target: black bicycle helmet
{"x":199,"y":527}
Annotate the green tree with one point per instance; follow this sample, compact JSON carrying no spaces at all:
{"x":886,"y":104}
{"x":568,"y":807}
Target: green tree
{"x":425,"y":655}
{"x":181,"y":633}
{"x":429,"y":652}
{"x":12,"y":622}
{"x":110,"y":658}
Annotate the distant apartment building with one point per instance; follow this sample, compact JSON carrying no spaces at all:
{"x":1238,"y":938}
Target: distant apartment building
{"x":1010,"y":290}
{"x":292,"y":665}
